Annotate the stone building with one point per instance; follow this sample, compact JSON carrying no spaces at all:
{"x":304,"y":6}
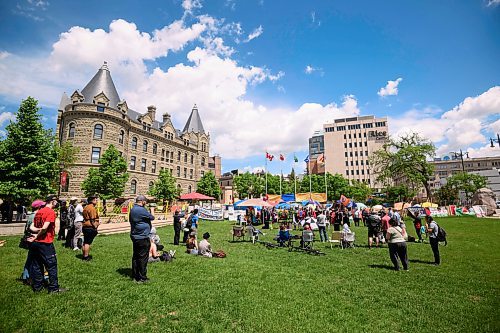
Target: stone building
{"x":96,"y":117}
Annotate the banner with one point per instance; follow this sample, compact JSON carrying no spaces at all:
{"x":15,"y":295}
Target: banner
{"x":319,"y":197}
{"x":416,"y":212}
{"x":211,"y":214}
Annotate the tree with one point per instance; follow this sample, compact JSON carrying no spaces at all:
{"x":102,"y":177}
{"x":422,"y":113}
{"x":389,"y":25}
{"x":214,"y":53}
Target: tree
{"x":209,"y":185}
{"x":399,"y":193}
{"x":358,"y":191}
{"x":109,"y":179}
{"x":28,"y":160}
{"x":165,"y":188}
{"x":405,"y":159}
{"x":337,"y":185}
{"x":66,"y":157}
{"x":249,"y":185}
{"x":446,"y":195}
{"x":466,"y":182}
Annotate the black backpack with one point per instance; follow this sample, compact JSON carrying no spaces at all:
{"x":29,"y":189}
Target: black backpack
{"x":441,"y":236}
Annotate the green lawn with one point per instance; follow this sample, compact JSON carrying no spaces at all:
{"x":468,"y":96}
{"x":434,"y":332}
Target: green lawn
{"x":256,"y":289}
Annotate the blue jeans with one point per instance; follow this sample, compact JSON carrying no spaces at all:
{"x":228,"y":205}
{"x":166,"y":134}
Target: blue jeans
{"x":43,"y":256}
{"x":322,"y":233}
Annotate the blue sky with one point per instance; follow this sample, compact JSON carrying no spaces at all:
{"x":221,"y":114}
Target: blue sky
{"x":265,"y":74}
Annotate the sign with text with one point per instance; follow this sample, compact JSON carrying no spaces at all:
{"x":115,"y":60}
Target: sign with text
{"x":377,"y":135}
{"x":211,"y":214}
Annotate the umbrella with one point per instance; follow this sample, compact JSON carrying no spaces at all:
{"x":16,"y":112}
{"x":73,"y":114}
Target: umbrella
{"x":195,"y":196}
{"x":429,"y":204}
{"x":254,"y":202}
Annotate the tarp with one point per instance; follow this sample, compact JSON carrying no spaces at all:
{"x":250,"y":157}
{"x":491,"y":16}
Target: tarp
{"x":254,"y":202}
{"x":320,"y":197}
{"x":274,"y":197}
{"x":283,"y":205}
{"x":288,"y":197}
{"x":195,"y":196}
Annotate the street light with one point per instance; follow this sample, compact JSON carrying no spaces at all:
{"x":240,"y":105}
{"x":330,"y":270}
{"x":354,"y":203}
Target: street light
{"x":461,"y":155}
{"x":61,"y":169}
{"x":497,"y":140}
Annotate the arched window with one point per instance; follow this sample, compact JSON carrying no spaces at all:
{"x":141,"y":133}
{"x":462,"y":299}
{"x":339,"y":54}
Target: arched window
{"x":192,"y":159}
{"x":203,"y":161}
{"x":151,"y":184}
{"x":185,"y":157}
{"x":121,"y":137}
{"x":98,"y":131}
{"x":133,"y":187}
{"x":178,"y":156}
{"x":71,"y":133}
{"x":189,"y":189}
{"x":144,"y":146}
{"x":155,"y":148}
{"x":134,"y":143}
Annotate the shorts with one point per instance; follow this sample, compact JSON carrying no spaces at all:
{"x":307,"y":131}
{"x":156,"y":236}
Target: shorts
{"x":89,"y":235}
{"x":373,"y":232}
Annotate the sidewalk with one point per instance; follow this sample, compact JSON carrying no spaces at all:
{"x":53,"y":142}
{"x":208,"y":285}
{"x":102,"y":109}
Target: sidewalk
{"x":12,"y":229}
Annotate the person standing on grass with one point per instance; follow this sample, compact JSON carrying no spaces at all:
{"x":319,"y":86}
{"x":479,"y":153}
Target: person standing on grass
{"x":42,"y":249}
{"x":432,"y":229}
{"x":417,"y":223}
{"x":63,"y":221}
{"x":177,"y":227}
{"x":78,"y":226}
{"x":89,"y":226}
{"x":373,"y":221}
{"x":385,"y":222}
{"x":396,"y":240}
{"x":321,"y":222}
{"x":194,"y":220}
{"x":29,"y":231}
{"x":71,"y":224}
{"x":140,"y":228}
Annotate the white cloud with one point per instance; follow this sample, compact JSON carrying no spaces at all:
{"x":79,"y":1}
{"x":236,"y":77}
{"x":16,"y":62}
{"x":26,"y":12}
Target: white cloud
{"x":494,"y":127}
{"x":256,"y":33}
{"x":5,"y":117}
{"x":390,"y":89}
{"x":492,"y":3}
{"x":488,"y":103}
{"x":190,"y":5}
{"x":310,"y":70}
{"x":485,"y":151}
{"x":4,"y":54}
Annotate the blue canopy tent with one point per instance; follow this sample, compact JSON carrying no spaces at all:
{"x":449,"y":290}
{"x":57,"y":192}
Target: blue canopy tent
{"x":283,"y":205}
{"x":288,"y":197}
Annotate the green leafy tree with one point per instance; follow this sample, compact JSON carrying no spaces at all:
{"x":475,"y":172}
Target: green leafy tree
{"x":249,"y":185}
{"x":109,"y":179}
{"x":337,"y":185}
{"x":273,"y":184}
{"x":399,"y":193}
{"x":466,"y":182}
{"x":209,"y":185}
{"x":446,"y":195}
{"x":66,"y":157}
{"x":359,"y":191}
{"x":28,"y":160}
{"x":405,"y":159}
{"x":165,"y":188}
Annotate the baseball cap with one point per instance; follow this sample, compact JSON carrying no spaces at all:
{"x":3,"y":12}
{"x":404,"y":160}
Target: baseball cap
{"x":51,"y":197}
{"x":140,"y":198}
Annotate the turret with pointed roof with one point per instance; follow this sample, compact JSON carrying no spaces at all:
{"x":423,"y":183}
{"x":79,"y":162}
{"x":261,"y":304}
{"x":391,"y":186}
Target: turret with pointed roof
{"x":102,"y":82}
{"x":194,"y":123}
{"x":65,"y":100}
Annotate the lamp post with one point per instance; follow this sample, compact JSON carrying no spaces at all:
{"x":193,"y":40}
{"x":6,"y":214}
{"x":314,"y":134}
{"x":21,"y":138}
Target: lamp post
{"x":497,"y":140}
{"x":61,"y":168}
{"x":461,"y":155}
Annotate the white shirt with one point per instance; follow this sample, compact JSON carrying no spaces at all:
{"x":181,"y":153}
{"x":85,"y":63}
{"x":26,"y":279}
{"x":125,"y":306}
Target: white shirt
{"x":79,"y":213}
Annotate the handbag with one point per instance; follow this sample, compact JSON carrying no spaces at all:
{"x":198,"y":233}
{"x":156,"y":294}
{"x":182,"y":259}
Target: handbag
{"x":24,"y":244}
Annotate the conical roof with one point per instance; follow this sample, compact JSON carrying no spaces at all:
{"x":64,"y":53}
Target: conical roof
{"x":102,"y":82}
{"x":64,"y":101}
{"x":194,"y":123}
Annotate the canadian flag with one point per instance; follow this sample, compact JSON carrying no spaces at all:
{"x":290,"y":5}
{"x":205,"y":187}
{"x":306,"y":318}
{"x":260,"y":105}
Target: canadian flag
{"x":282,"y":157}
{"x":269,"y":156}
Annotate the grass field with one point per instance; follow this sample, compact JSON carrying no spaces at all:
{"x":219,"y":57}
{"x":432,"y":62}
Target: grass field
{"x":256,"y":289}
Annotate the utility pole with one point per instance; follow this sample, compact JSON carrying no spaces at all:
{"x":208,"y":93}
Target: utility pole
{"x":497,"y":140}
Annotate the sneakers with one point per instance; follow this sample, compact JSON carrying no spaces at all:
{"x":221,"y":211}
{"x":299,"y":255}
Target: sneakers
{"x":76,"y":249}
{"x":172,"y":253}
{"x":89,"y":258}
{"x":57,"y":291}
{"x":146,"y":280}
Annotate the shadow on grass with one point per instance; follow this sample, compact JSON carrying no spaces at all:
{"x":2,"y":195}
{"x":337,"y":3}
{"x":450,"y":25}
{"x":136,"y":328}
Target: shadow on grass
{"x":390,"y":268}
{"x":418,"y":261}
{"x":125,"y":271}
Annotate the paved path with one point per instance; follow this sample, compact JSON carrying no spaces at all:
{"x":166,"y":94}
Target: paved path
{"x":10,"y":229}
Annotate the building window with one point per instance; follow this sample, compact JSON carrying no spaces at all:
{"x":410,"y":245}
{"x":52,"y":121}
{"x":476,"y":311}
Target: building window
{"x":362,"y":170}
{"x":153,"y":166}
{"x":100,"y":106}
{"x":361,"y":153}
{"x":98,"y":131}
{"x":345,"y":154}
{"x":171,"y":156}
{"x":345,"y":144}
{"x":192,"y":159}
{"x":178,"y":171}
{"x":366,"y":152}
{"x":96,"y":155}
{"x":155,"y":148}
{"x":357,"y":172}
{"x":178,"y":156}
{"x":350,"y":153}
{"x":346,"y":163}
{"x":145,"y":146}
{"x":345,"y":136}
{"x":352,"y":163}
{"x":203,"y":173}
{"x":185,"y":172}
{"x":191,"y":173}
{"x":121,"y":137}
{"x":134,"y":143}
{"x":185,"y":157}
{"x":163,"y":155}
{"x":352,"y":172}
{"x":151,"y":184}
{"x":132,"y":162}
{"x":189,"y":189}
{"x":71,"y":133}
{"x":203,"y":161}
{"x":347,"y":172}
{"x":362,"y":162}
{"x":133,"y":187}
{"x":143,"y":165}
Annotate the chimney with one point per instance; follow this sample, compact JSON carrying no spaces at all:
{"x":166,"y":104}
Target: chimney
{"x":152,"y":112}
{"x":166,"y":117}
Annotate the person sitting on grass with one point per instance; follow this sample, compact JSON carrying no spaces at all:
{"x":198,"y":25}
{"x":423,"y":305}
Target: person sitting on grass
{"x":192,"y":244}
{"x":205,"y":249}
{"x":154,"y":254}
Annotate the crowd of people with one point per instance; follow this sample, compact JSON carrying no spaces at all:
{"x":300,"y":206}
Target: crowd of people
{"x":79,"y":222}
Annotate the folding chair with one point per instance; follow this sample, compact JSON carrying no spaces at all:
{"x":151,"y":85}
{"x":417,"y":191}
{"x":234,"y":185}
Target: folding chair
{"x":348,"y":241}
{"x":238,"y":232}
{"x":335,"y":239}
{"x":307,"y":239}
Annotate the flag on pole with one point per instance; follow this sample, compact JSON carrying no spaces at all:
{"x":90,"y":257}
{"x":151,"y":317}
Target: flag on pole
{"x":295,"y":159}
{"x":282,"y":157}
{"x":307,"y":159}
{"x":344,"y":201}
{"x":269,"y":156}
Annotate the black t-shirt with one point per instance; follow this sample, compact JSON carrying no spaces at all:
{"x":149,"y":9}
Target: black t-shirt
{"x":374,"y":221}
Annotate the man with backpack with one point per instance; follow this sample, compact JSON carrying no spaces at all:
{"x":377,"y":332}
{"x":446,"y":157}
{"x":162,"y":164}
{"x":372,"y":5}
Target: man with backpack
{"x":433,"y":230}
{"x":374,"y":222}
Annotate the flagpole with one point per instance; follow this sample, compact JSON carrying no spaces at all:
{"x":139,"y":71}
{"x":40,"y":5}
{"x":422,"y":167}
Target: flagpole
{"x":266,"y":172}
{"x":310,"y":177}
{"x":294,"y":177}
{"x":281,"y":176}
